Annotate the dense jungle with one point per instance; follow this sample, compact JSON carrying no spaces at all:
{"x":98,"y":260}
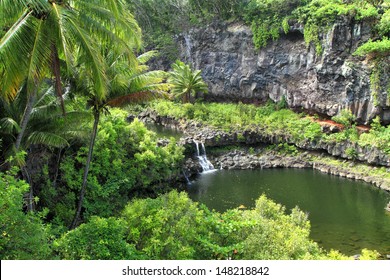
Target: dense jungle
{"x":194,"y":129}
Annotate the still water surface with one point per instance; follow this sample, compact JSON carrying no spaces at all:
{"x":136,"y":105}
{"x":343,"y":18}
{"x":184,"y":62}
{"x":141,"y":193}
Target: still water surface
{"x":344,"y":214}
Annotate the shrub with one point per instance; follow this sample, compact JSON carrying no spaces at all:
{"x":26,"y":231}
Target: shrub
{"x":345,"y":117}
{"x":23,"y":235}
{"x":168,"y":227}
{"x":375,"y":48}
{"x":99,"y":239}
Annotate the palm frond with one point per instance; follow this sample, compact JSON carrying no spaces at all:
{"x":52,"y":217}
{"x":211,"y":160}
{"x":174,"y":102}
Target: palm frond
{"x":185,"y":81}
{"x":142,"y":79}
{"x":92,"y":58}
{"x":39,"y":56}
{"x":14,"y":48}
{"x":145,"y":57}
{"x":47,"y":138}
{"x":9,"y":126}
{"x":57,"y":19}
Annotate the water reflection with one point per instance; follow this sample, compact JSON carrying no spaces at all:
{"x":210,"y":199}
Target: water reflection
{"x":345,"y":215}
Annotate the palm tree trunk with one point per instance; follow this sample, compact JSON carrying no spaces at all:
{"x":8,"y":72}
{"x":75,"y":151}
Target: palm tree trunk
{"x":57,"y":75}
{"x":25,"y":119}
{"x":19,"y":138}
{"x":86,"y":170}
{"x":57,"y":167}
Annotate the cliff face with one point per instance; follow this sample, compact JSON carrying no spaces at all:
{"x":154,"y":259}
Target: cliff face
{"x":322,"y":84}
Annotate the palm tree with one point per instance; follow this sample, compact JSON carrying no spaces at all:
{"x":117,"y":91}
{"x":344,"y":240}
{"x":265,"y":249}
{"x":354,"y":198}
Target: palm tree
{"x":186,"y":82}
{"x":45,"y":127}
{"x":127,"y":85}
{"x":41,"y":34}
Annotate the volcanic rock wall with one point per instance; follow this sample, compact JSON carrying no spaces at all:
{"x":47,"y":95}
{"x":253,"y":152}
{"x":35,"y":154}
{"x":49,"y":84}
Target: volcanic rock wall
{"x":288,"y":68}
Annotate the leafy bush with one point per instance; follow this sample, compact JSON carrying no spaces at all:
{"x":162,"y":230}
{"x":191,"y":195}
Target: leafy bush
{"x":351,"y":153}
{"x":285,"y":148}
{"x":384,"y":24}
{"x":99,"y":239}
{"x":375,"y":48}
{"x":269,"y":18}
{"x":23,"y":235}
{"x":168,"y":227}
{"x":345,"y":117}
{"x":277,"y":235}
{"x":174,"y":227}
{"x":319,"y":15}
{"x":378,"y":137}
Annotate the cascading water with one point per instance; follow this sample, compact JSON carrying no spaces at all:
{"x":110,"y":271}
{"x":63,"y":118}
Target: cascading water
{"x":187,"y":179}
{"x":188,"y":45}
{"x":204,"y":162}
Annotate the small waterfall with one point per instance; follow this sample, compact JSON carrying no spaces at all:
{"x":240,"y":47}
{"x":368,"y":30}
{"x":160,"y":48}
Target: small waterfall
{"x":188,"y":45}
{"x":204,"y":162}
{"x":187,"y":179}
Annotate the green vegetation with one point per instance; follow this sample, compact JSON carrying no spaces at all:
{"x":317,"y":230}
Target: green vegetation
{"x":375,"y":48}
{"x":23,"y":235}
{"x":174,"y":227}
{"x":186,"y":83}
{"x":380,"y":47}
{"x":129,"y":163}
{"x":125,"y":86}
{"x":99,"y":239}
{"x":140,"y":231}
{"x":162,"y":19}
{"x":268,"y":18}
{"x":319,"y":15}
{"x":77,"y":181}
{"x":231,"y":117}
{"x":284,"y":124}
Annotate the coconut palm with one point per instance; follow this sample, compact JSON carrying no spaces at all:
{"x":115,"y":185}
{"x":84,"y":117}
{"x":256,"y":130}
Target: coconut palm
{"x":128,"y":84}
{"x":43,"y":36}
{"x":185,"y":81}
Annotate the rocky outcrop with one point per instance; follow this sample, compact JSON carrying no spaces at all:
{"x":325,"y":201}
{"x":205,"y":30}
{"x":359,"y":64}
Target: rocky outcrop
{"x":288,"y":69}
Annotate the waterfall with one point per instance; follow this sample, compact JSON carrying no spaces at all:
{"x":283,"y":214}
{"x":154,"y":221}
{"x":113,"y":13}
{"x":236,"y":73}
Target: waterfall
{"x":204,"y":162}
{"x":187,"y":179}
{"x":188,"y":46}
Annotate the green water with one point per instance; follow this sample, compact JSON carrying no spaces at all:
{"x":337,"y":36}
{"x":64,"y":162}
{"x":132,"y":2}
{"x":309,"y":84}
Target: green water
{"x":164,"y":132}
{"x":345,"y":215}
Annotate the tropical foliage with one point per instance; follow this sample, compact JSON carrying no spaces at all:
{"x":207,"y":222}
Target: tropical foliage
{"x":65,"y":65}
{"x":99,"y":239}
{"x":162,"y":19}
{"x":129,"y":162}
{"x":174,"y":227}
{"x":186,"y":83}
{"x":46,"y":125}
{"x":127,"y":85}
{"x":23,"y":236}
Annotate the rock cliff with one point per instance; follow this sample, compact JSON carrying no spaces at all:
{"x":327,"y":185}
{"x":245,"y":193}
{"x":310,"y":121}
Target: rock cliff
{"x":288,"y":69}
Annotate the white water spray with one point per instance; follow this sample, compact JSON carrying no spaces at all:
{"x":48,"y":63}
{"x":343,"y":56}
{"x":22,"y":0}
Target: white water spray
{"x":204,"y":162}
